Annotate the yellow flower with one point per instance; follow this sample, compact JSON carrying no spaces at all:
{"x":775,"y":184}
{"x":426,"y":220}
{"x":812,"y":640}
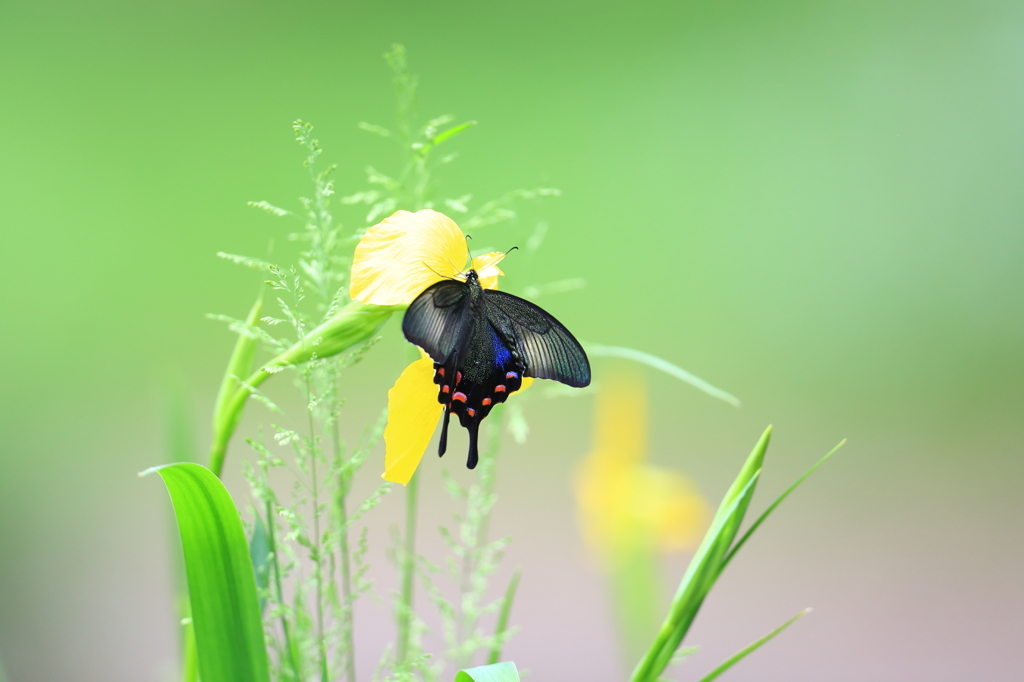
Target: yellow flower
{"x":403,"y":255}
{"x":394,"y":262}
{"x":627,"y":505}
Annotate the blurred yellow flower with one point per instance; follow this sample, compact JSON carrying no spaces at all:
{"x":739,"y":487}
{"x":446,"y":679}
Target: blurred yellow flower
{"x":627,"y":505}
{"x":394,"y":262}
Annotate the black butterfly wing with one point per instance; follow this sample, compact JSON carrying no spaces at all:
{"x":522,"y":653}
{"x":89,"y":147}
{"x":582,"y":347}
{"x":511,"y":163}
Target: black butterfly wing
{"x":440,"y":319}
{"x":546,"y":347}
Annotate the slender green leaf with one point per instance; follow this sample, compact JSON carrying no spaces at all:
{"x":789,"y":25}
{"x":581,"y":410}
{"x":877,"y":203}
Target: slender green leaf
{"x":451,"y":132}
{"x":704,"y":567}
{"x":189,"y":660}
{"x":352,"y":325}
{"x":259,"y":554}
{"x":776,"y":503}
{"x":496,"y":672}
{"x":750,"y":469}
{"x":270,"y":208}
{"x":502,"y":627}
{"x":221,"y":584}
{"x":663,"y":365}
{"x":700,"y":577}
{"x":683,"y":653}
{"x":688,"y":597}
{"x":180,"y":447}
{"x":741,"y":655}
{"x":374,"y":128}
{"x":239,"y":367}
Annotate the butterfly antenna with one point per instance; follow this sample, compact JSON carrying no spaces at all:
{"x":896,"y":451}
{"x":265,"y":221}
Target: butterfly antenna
{"x":514,"y":248}
{"x":438,"y":273}
{"x":470,"y":252}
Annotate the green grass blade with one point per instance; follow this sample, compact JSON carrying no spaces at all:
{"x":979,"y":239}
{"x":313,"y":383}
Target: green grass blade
{"x":239,"y":367}
{"x":741,"y":655}
{"x":451,"y":132}
{"x":663,"y":365}
{"x":189,"y":661}
{"x":502,"y":626}
{"x":751,"y":467}
{"x":348,"y":327}
{"x":180,"y":447}
{"x":776,"y":503}
{"x":497,"y":672}
{"x":259,"y":554}
{"x":705,"y":566}
{"x":703,"y":578}
{"x":701,"y":571}
{"x":222,"y":587}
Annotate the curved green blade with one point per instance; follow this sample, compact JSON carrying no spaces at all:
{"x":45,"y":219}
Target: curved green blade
{"x":497,"y":672}
{"x":736,"y":658}
{"x":221,"y":585}
{"x":664,"y":366}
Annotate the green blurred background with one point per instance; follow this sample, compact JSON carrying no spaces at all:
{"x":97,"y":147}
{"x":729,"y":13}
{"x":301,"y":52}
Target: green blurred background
{"x":815,"y":205}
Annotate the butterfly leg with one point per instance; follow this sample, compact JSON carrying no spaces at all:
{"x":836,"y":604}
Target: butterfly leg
{"x":474,"y":454}
{"x":443,"y":443}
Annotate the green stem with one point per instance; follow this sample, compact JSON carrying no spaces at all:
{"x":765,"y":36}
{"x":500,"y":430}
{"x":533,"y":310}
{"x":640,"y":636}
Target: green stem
{"x":292,"y":654}
{"x":189,"y":659}
{"x":318,"y":573}
{"x":704,"y":567}
{"x":347,"y":618}
{"x":408,"y":572}
{"x":502,"y":627}
{"x":350,"y":326}
{"x":348,"y":625}
{"x":478,"y":515}
{"x":736,"y":658}
{"x":634,"y":588}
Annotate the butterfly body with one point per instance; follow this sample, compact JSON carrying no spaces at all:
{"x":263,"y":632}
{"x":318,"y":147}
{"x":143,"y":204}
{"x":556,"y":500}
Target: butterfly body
{"x":483,"y":343}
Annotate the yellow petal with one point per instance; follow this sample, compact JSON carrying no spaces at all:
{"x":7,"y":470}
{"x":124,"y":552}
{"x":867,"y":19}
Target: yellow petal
{"x":413,"y":412}
{"x":627,"y":505}
{"x":486,"y":267}
{"x":404,"y":254}
{"x":668,"y":507}
{"x":620,"y":422}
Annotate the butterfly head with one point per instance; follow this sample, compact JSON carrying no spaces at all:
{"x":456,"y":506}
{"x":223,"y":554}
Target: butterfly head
{"x":472,"y":277}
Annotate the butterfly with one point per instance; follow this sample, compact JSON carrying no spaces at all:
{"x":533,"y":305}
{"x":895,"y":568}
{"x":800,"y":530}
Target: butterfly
{"x":483,"y":343}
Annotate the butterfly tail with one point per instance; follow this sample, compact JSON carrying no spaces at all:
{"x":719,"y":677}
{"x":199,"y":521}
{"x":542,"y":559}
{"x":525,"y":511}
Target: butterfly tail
{"x":443,"y":443}
{"x":474,"y":454}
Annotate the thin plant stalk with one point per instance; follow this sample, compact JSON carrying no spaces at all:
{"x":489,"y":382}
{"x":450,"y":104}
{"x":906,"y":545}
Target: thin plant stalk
{"x":318,"y":577}
{"x":736,"y":658}
{"x":347,"y":328}
{"x":189,"y":659}
{"x":471,"y":559}
{"x":502,"y":627}
{"x":408,"y":572}
{"x":275,"y":567}
{"x":348,"y":621}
